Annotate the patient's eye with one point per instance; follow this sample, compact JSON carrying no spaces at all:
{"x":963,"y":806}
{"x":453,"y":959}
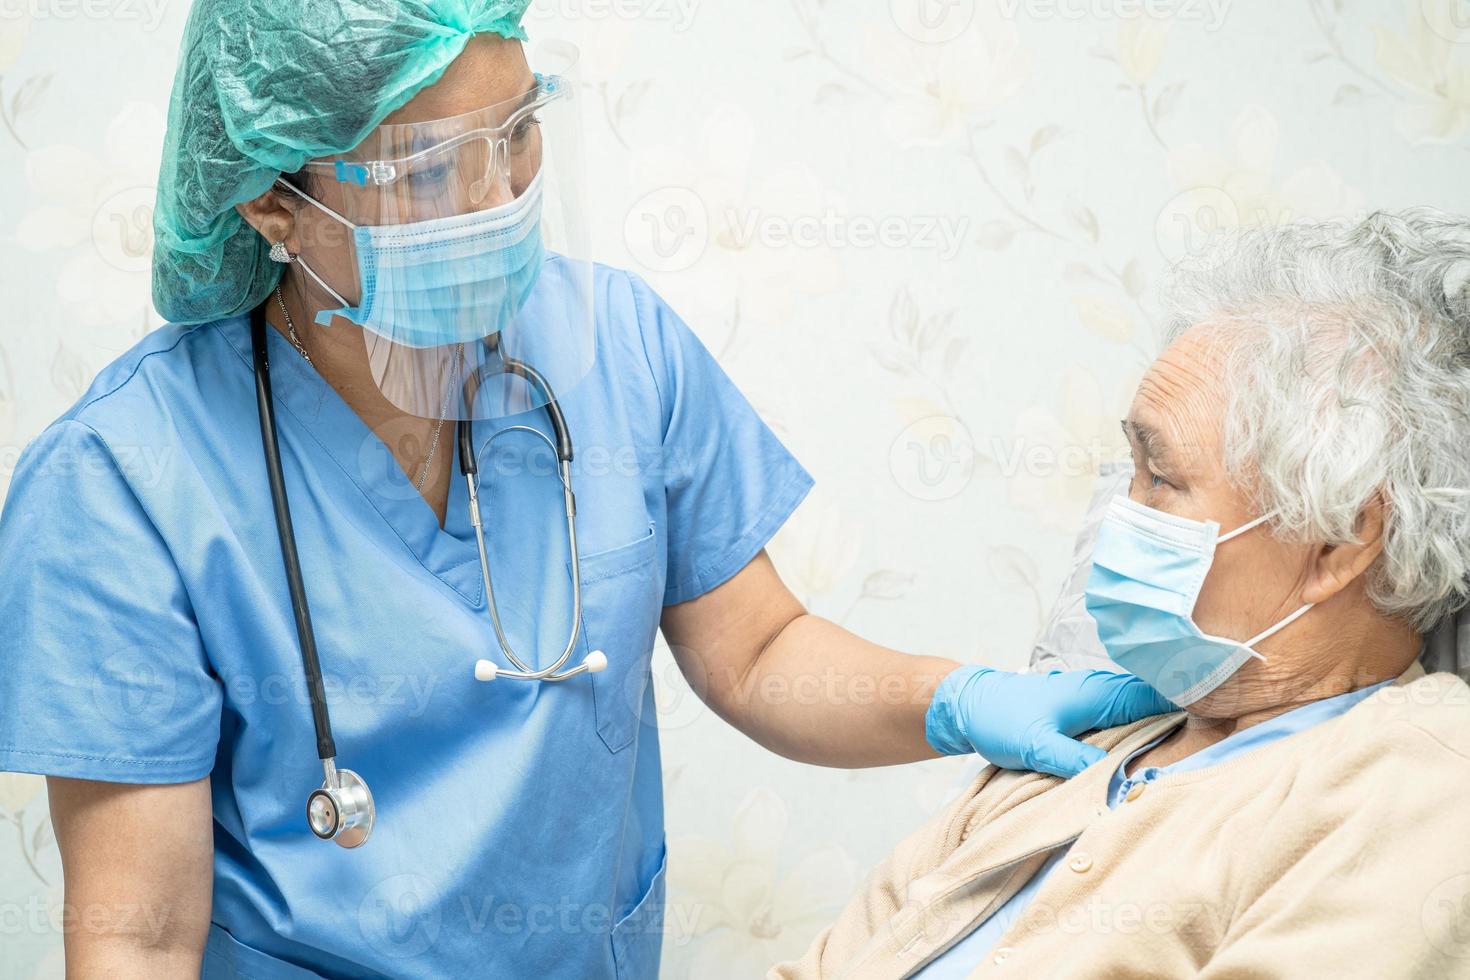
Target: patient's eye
{"x":1157,"y":481}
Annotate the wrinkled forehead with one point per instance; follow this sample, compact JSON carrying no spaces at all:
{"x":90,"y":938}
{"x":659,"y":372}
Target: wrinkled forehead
{"x":1182,"y":397}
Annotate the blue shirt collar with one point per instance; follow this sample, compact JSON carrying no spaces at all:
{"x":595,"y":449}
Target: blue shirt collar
{"x":1255,"y":737}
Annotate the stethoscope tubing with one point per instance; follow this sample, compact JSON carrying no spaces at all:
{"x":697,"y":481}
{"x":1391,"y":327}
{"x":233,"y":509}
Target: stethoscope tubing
{"x":569,"y":505}
{"x":326,"y":747}
{"x":560,"y":443}
{"x":342,"y":810}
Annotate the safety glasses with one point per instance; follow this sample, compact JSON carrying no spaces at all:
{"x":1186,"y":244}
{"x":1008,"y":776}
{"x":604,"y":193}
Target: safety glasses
{"x":446,"y":166}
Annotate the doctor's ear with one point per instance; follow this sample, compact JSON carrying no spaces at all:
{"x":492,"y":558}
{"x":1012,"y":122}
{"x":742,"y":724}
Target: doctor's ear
{"x":273,"y":214}
{"x":1338,"y":565}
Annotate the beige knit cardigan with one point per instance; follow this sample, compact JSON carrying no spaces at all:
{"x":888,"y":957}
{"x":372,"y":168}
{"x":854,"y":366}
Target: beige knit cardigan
{"x":1339,"y":851}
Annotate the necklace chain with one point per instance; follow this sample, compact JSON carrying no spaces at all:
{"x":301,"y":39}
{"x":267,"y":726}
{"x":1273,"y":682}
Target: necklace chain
{"x":443,"y":414}
{"x":438,"y":427}
{"x":291,"y":327}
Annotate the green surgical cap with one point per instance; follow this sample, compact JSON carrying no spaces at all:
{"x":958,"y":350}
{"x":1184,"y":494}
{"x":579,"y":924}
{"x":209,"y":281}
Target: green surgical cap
{"x":264,"y":86}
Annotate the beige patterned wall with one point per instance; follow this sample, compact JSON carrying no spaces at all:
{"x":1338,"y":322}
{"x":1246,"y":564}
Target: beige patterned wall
{"x":922,"y":235}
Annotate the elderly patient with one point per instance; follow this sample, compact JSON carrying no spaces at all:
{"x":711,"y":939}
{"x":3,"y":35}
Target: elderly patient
{"x":1299,"y":516}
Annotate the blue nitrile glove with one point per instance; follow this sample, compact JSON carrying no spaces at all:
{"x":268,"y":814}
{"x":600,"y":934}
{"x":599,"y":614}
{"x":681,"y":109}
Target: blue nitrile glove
{"x":1027,"y":721}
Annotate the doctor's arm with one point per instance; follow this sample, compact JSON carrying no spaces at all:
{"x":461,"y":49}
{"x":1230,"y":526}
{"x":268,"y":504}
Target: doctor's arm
{"x":809,"y":690}
{"x":798,"y":684}
{"x":138,"y":867}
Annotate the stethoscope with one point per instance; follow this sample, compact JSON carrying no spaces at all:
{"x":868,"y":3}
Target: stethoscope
{"x":342,"y":808}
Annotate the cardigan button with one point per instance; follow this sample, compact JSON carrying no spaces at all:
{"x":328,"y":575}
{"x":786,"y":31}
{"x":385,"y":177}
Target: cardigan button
{"x":1081,"y":863}
{"x":1135,"y":792}
{"x":1003,"y":954}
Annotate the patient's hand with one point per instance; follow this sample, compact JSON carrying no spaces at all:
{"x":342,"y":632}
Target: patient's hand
{"x":1028,"y":721}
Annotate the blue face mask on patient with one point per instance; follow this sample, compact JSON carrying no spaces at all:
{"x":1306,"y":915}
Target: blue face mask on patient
{"x":1147,"y":570}
{"x":443,"y":280}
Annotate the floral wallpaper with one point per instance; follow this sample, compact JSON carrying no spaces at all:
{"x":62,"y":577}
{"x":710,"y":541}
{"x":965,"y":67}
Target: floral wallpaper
{"x":922,"y":235}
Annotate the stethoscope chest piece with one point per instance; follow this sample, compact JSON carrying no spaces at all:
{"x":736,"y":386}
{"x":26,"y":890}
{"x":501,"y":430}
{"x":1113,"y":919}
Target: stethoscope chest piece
{"x":342,"y":813}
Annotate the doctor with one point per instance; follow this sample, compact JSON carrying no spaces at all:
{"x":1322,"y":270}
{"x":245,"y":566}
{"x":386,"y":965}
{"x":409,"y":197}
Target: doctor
{"x":388,"y":520}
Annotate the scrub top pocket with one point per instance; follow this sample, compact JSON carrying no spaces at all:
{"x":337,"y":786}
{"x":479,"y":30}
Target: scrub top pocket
{"x":637,"y":938}
{"x":622,"y":592}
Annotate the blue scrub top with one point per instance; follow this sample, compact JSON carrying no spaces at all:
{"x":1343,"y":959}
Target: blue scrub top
{"x":149,"y":639}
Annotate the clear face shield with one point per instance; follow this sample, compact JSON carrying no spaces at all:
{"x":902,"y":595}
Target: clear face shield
{"x":469,"y":240}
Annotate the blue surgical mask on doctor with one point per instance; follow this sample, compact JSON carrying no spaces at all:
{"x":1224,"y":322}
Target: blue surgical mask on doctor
{"x":1147,"y":570}
{"x":442,"y":280}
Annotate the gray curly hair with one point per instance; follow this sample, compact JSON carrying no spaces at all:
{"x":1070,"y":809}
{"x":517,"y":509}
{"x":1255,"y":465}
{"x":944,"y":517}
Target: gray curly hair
{"x":1348,"y":369}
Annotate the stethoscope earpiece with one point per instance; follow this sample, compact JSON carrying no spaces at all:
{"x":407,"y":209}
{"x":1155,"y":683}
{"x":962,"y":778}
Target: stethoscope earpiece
{"x":594,"y":663}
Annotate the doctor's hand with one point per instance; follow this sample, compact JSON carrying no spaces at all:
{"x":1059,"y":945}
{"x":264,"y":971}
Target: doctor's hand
{"x":1028,"y":721}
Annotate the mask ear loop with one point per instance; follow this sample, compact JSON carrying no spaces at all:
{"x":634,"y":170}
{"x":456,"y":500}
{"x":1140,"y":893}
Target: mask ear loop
{"x":331,"y":214}
{"x":1250,"y":644}
{"x":1245,"y":527}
